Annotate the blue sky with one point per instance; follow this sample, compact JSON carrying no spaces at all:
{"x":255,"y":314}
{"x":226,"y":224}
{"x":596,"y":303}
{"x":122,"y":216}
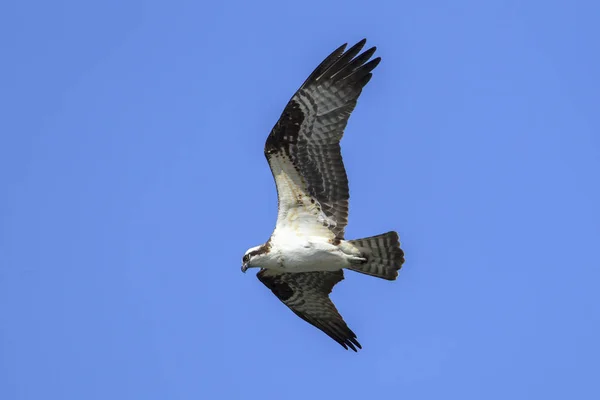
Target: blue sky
{"x":133,"y":180}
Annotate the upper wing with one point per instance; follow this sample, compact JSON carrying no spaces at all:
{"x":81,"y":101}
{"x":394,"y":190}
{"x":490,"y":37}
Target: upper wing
{"x":307,"y":295}
{"x":303,"y":148}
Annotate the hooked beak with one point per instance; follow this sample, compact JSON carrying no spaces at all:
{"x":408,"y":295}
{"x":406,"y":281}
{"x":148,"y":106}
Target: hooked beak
{"x":244,"y":267}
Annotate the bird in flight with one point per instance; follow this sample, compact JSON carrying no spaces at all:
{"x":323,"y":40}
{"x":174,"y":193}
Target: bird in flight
{"x":306,"y":254}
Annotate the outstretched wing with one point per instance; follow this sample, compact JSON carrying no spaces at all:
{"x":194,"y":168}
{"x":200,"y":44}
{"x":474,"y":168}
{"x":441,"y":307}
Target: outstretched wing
{"x":307,"y":295}
{"x":303,"y":149}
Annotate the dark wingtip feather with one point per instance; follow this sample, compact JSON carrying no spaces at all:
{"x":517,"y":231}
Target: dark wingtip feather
{"x":326,"y":64}
{"x":344,"y":63}
{"x":349,"y":341}
{"x":365,"y":79}
{"x":353,"y":343}
{"x":356,"y":344}
{"x":355,"y":65}
{"x":360,"y":44}
{"x":370,"y":66}
{"x":340,"y":333}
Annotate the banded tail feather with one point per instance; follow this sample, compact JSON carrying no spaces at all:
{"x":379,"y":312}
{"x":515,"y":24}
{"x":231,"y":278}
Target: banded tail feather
{"x":383,"y":253}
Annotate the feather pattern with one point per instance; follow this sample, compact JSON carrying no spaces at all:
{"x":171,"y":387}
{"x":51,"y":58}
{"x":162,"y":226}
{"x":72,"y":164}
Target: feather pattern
{"x":307,"y":295}
{"x":303,"y":148}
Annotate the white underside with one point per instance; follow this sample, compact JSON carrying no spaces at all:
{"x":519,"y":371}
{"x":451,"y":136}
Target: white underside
{"x":293,"y":253}
{"x":302,"y":239}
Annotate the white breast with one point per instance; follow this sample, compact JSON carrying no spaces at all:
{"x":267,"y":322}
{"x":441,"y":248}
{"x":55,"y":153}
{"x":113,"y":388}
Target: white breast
{"x":302,"y":254}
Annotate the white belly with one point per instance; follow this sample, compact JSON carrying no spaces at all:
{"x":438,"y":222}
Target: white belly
{"x":308,"y":254}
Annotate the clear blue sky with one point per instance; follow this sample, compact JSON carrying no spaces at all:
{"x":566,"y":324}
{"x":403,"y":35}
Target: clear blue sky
{"x":133,"y":180}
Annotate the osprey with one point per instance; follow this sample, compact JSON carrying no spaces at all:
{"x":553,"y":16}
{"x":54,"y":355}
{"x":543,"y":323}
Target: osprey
{"x":306,"y":253}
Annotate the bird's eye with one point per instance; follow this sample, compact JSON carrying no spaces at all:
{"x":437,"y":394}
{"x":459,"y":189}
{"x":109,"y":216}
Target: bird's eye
{"x":246,"y":258}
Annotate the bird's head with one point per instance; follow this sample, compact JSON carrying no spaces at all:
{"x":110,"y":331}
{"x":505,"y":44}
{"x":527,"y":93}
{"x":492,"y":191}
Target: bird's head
{"x":255,"y":257}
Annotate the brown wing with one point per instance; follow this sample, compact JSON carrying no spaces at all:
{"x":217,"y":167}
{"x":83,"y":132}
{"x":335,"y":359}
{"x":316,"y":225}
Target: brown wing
{"x":303,"y":149}
{"x":307,"y":295}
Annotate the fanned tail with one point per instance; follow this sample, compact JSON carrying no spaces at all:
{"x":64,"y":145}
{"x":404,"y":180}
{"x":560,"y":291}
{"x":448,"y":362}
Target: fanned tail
{"x":383,"y":253}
